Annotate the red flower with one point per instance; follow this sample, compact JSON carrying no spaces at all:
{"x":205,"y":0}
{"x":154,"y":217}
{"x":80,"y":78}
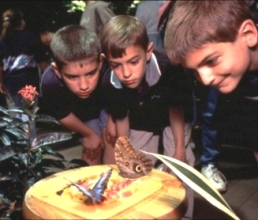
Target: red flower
{"x":28,"y":94}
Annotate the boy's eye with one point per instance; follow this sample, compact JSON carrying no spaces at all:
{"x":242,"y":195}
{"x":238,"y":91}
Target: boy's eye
{"x":134,"y":62}
{"x":212,"y":62}
{"x":113,"y":66}
{"x":72,"y":77}
{"x":91,"y":73}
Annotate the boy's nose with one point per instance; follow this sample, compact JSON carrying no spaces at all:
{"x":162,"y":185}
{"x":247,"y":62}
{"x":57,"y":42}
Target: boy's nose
{"x":83,"y":84}
{"x":205,"y":76}
{"x":126,"y":72}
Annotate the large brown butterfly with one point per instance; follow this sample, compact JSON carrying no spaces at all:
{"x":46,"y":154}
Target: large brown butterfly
{"x":131,"y":163}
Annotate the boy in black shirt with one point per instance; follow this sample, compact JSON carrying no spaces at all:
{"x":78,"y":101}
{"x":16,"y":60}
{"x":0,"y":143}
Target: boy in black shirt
{"x":71,"y":90}
{"x":146,"y":95}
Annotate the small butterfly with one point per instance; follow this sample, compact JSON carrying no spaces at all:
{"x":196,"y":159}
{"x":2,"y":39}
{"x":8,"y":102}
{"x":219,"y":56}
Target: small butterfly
{"x":131,"y":163}
{"x":96,"y":192}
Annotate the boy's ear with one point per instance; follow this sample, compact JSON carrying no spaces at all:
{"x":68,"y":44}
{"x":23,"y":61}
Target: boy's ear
{"x":53,"y":65}
{"x":249,"y":31}
{"x":102,"y":55}
{"x":149,"y":50}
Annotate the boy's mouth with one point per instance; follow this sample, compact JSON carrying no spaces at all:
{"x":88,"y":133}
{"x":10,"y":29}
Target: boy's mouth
{"x":84,"y":95}
{"x":129,"y":82}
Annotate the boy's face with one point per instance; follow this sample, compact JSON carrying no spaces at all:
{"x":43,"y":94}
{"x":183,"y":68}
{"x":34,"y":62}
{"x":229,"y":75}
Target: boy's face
{"x":130,"y":68}
{"x":81,"y":77}
{"x":220,"y":65}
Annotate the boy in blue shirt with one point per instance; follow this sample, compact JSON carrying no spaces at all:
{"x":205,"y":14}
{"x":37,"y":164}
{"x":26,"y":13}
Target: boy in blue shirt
{"x":218,"y":41}
{"x":72,"y":92}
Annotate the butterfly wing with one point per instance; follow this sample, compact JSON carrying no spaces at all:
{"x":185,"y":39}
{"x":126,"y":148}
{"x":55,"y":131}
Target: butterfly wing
{"x":101,"y":185}
{"x":86,"y":192}
{"x":131,"y":163}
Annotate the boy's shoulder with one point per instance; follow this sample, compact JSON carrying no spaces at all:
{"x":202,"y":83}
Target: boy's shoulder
{"x":50,"y":80}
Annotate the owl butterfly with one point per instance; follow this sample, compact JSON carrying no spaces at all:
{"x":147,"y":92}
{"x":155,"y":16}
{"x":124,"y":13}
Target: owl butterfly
{"x":131,"y":163}
{"x":96,"y":192}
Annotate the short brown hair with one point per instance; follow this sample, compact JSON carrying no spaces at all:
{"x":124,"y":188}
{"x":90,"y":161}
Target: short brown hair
{"x":74,"y":43}
{"x":194,"y":23}
{"x":120,"y":32}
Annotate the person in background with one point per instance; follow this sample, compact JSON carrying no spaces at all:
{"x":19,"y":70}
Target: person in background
{"x":147,"y":13}
{"x":145,"y":94}
{"x":219,"y":44}
{"x":46,"y":38}
{"x":95,"y":15}
{"x":20,"y":57}
{"x":71,"y":89}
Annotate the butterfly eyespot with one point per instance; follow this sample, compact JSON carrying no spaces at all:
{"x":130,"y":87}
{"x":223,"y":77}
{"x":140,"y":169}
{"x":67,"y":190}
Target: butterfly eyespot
{"x":138,"y":168}
{"x":126,"y":164}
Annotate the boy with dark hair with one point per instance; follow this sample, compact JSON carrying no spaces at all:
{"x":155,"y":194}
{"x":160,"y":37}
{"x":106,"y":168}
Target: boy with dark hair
{"x":218,"y":41}
{"x":145,"y":94}
{"x":71,"y":90}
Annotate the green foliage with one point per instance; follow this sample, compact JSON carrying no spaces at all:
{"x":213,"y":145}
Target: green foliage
{"x":23,"y":161}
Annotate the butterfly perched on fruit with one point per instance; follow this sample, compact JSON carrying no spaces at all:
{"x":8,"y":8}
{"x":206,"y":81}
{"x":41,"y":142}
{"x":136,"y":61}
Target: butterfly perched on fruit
{"x":131,"y":163}
{"x":95,"y":194}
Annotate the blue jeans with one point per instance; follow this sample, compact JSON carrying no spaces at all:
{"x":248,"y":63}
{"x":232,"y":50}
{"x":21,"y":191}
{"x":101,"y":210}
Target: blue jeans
{"x":210,"y":139}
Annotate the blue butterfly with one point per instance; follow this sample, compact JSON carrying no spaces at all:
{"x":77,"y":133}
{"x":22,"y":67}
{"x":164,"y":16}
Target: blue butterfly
{"x":96,"y":192}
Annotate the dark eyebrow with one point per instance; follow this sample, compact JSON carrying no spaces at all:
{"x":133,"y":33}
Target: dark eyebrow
{"x":137,"y":56}
{"x":92,"y":71}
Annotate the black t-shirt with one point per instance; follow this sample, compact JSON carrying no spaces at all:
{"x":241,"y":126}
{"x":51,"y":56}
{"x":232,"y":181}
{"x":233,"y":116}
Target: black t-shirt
{"x":149,"y":108}
{"x":58,"y":101}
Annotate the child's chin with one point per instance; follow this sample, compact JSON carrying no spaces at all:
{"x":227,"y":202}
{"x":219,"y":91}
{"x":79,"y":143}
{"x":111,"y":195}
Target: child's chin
{"x":226,"y":89}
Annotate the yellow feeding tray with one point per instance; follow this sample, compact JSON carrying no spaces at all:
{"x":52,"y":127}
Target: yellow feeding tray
{"x":156,"y":195}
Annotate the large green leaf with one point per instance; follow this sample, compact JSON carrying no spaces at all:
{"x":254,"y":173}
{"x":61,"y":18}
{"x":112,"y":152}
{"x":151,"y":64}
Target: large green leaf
{"x":197,"y":182}
{"x":50,"y":138}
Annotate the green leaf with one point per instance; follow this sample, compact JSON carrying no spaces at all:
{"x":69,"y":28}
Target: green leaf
{"x":7,"y":119}
{"x":52,"y":163}
{"x":23,"y":158}
{"x":45,"y":119}
{"x":49,"y":150}
{"x":75,"y":163}
{"x":50,"y":138}
{"x":14,"y":110}
{"x":6,"y":152}
{"x":5,"y":139}
{"x":4,"y":111}
{"x":18,"y":133}
{"x":197,"y":182}
{"x":6,"y":178}
{"x":3,"y":124}
{"x":17,"y":122}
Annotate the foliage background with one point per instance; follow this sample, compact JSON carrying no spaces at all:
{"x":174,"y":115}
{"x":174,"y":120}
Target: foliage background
{"x":52,"y":15}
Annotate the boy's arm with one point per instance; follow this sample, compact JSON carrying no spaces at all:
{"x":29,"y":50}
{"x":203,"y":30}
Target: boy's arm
{"x":91,"y":141}
{"x":123,"y":127}
{"x":176,"y":118}
{"x":117,"y":128}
